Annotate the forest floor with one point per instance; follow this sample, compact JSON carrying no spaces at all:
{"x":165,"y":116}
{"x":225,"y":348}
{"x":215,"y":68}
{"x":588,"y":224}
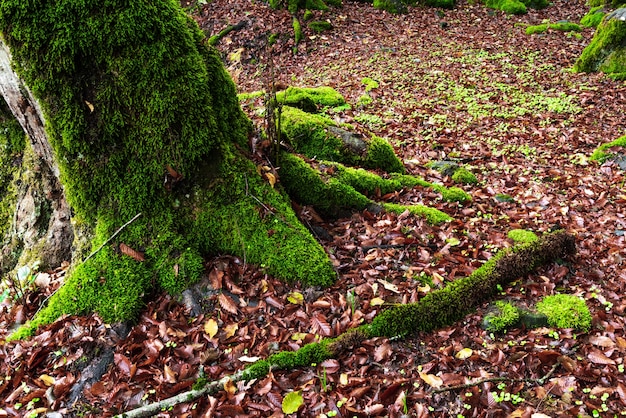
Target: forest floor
{"x":465,"y":84}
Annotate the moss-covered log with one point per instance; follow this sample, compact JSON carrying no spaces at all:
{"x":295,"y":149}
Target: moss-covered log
{"x":438,"y":309}
{"x":607,"y":51}
{"x":143,"y":118}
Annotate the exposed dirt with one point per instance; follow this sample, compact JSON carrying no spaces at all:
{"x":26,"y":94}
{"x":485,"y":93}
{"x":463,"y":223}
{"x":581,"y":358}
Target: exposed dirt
{"x":465,"y":84}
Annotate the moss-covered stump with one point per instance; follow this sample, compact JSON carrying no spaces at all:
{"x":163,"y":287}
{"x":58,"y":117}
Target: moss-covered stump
{"x":144,"y":120}
{"x":607,"y":51}
{"x":614,"y":150}
{"x":446,"y":306}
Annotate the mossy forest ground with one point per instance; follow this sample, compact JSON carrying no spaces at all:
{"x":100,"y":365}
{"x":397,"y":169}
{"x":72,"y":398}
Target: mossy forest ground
{"x":465,"y":84}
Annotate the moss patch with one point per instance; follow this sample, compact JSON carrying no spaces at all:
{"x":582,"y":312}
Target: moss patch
{"x":559,"y":26}
{"x":12,"y":143}
{"x":604,"y":152}
{"x":566,"y":311}
{"x":310,"y":98}
{"x":594,"y":17}
{"x":505,"y":316}
{"x":522,"y":235}
{"x":319,"y":26}
{"x":605,"y":52}
{"x":511,"y":7}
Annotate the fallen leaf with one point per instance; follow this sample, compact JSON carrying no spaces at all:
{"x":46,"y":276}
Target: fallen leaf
{"x":47,"y":379}
{"x":298,"y":336}
{"x":227,"y":303}
{"x":320,"y":325}
{"x":247,"y":359}
{"x":170,"y":375}
{"x":382,"y":352}
{"x":389,"y":286}
{"x":292,"y":402}
{"x":271,"y":178}
{"x":601,"y":341}
{"x":230,"y":387}
{"x":296,"y":298}
{"x":343,"y":379}
{"x":136,"y":255}
{"x":598,"y":357}
{"x":211,"y":328}
{"x":464,"y":353}
{"x":230,"y":330}
{"x":432,"y":380}
{"x":377,"y":302}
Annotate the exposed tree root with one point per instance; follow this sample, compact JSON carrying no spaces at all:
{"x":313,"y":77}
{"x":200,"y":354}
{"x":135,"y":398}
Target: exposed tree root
{"x":439,"y":308}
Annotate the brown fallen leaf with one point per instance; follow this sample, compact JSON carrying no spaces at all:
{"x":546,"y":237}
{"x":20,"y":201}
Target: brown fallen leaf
{"x":134,"y":254}
{"x":598,"y":357}
{"x":227,"y":303}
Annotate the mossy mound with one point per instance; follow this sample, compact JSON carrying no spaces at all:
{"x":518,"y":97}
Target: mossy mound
{"x":606,"y":52}
{"x":516,"y":7}
{"x":319,"y":26}
{"x":604,"y":152}
{"x":566,"y":311}
{"x":310,"y":100}
{"x":134,"y":97}
{"x":594,"y":17}
{"x":445,"y":306}
{"x":505,"y":316}
{"x":559,"y":26}
{"x":401,"y":6}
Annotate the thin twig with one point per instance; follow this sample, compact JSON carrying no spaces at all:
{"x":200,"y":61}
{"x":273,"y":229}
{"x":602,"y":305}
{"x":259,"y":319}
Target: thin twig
{"x":539,"y":381}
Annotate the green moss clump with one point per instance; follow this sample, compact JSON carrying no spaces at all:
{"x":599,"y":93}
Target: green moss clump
{"x":319,"y":26}
{"x":308,"y":134}
{"x":560,"y":26}
{"x":507,"y":316}
{"x":445,"y":4}
{"x":380,"y":154}
{"x":432,"y":215}
{"x":369,"y":83}
{"x":297,"y":30}
{"x":308,"y":98}
{"x":594,"y":17}
{"x":536,"y":4}
{"x":244,"y":97}
{"x":603,"y":153}
{"x":566,"y":311}
{"x":464,"y":176}
{"x":511,"y":7}
{"x":308,"y":15}
{"x":522,"y":235}
{"x":605,"y":52}
{"x":445,"y":306}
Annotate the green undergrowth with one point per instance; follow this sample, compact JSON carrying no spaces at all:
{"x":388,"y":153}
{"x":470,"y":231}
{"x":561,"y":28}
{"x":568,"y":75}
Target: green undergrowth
{"x":606,"y":51}
{"x":604,"y":153}
{"x":558,"y":26}
{"x":143,"y":72}
{"x":504,"y":317}
{"x":437,"y":309}
{"x":310,"y":99}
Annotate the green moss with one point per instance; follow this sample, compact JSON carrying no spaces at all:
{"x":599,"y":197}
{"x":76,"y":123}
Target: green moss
{"x":560,"y":26}
{"x":369,"y":83}
{"x":464,"y":176}
{"x":593,"y":18}
{"x":536,"y":4}
{"x":12,"y":143}
{"x":445,"y":306}
{"x":244,"y":97}
{"x":507,"y":316}
{"x":364,"y":100}
{"x":446,"y":4}
{"x":308,"y":15}
{"x":308,"y":135}
{"x":512,"y":7}
{"x":566,"y":311}
{"x":308,"y":98}
{"x":297,"y":30}
{"x":380,"y":154}
{"x":522,"y":235}
{"x":603,"y":153}
{"x":432,"y":215}
{"x":320,"y":26}
{"x":605,"y":51}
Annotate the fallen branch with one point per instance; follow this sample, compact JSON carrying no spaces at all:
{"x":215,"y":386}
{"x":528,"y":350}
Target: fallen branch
{"x":213,"y":40}
{"x":450,"y":304}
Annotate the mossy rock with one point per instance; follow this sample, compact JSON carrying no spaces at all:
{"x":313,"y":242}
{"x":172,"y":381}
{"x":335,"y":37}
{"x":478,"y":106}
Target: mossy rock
{"x":559,"y":26}
{"x":594,"y":17}
{"x":309,"y":99}
{"x":511,"y":7}
{"x":319,"y":26}
{"x":604,"y":152}
{"x":606,"y":51}
{"x":504,"y":316}
{"x":565,"y":311}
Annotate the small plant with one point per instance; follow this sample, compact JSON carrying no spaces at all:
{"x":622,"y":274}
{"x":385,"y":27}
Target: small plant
{"x":20,"y":283}
{"x":369,"y":84}
{"x":353,"y":301}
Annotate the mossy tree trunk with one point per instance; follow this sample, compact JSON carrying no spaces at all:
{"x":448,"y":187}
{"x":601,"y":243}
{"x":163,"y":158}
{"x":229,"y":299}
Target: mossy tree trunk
{"x":135,"y":114}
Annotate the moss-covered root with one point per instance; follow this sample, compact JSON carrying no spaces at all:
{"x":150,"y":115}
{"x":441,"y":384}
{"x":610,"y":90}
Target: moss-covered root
{"x":603,"y":152}
{"x":446,"y":306}
{"x":606,"y":52}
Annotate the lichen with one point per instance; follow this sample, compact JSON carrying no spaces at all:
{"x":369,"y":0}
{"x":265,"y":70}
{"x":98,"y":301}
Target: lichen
{"x":566,"y":311}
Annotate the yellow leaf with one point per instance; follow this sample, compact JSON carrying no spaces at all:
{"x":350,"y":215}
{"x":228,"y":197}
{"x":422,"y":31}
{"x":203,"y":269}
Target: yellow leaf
{"x":264,"y":286}
{"x":343,"y":379}
{"x":230,"y":387}
{"x":423,"y":289}
{"x":47,"y":380}
{"x":464,"y":353}
{"x":89,"y":105}
{"x":432,"y":380}
{"x":376,"y":302}
{"x":210,"y":327}
{"x":230,"y":330}
{"x":271,"y":178}
{"x":389,"y":286}
{"x":298,"y":336}
{"x":296,"y":298}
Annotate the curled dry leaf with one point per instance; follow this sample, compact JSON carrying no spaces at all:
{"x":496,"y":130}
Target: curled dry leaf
{"x":382,"y":352}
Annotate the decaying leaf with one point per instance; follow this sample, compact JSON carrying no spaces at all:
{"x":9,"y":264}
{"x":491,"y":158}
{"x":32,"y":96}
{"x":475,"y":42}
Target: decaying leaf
{"x":211,"y":328}
{"x":296,"y":298}
{"x":382,"y":352}
{"x":227,"y":303}
{"x":389,"y":286}
{"x":292,"y":402}
{"x":464,"y":353}
{"x":377,"y":301}
{"x":231,"y":329}
{"x":598,"y":357}
{"x":432,"y":380}
{"x":320,"y":325}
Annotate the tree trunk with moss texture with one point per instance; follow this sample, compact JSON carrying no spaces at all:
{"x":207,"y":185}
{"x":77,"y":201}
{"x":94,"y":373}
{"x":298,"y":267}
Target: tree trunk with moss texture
{"x":140,"y":117}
